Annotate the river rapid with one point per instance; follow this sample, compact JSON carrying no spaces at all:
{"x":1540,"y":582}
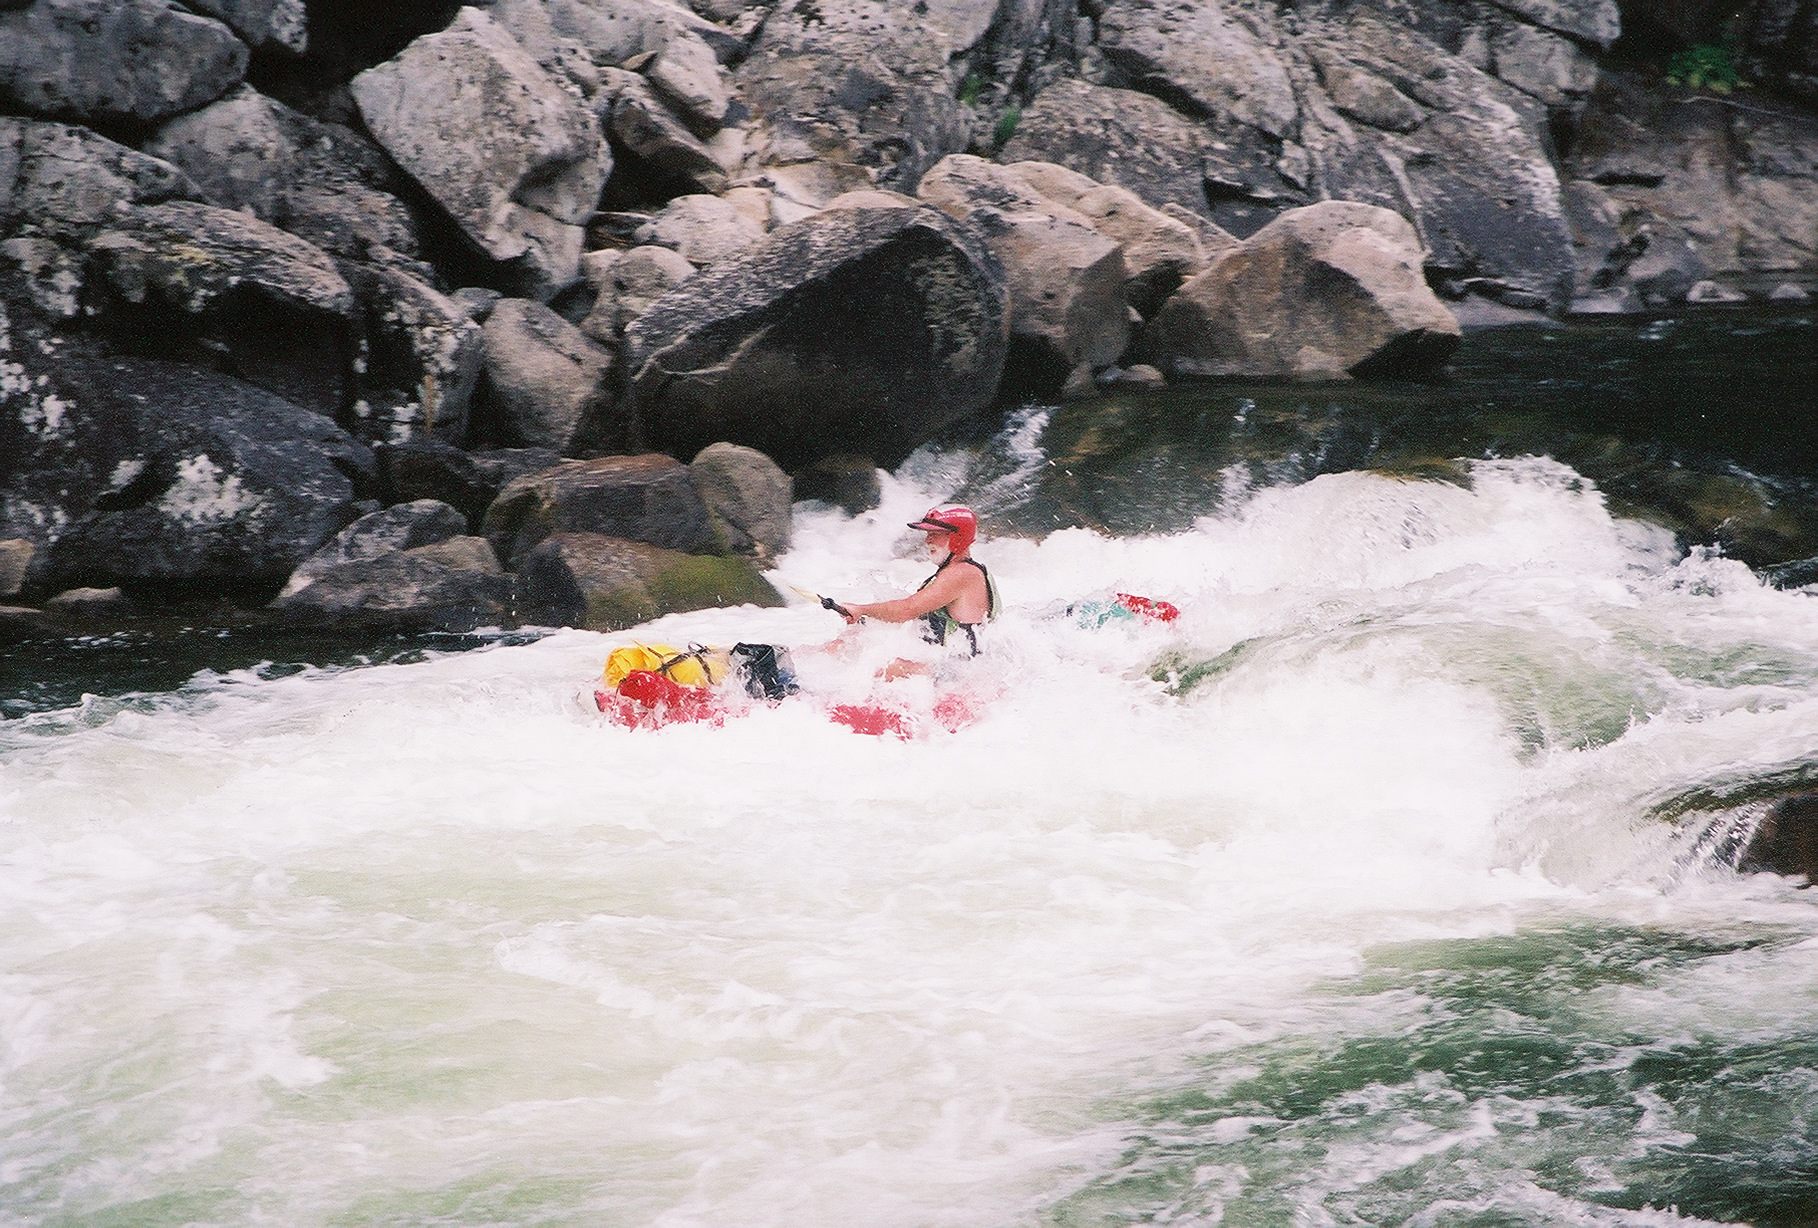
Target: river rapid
{"x":1368,"y":892}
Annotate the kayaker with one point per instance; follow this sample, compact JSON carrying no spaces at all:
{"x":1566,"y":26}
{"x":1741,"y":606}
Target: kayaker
{"x":957,"y":599}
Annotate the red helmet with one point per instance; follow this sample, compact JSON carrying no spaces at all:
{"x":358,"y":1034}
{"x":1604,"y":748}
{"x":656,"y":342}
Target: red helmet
{"x":957,"y":521}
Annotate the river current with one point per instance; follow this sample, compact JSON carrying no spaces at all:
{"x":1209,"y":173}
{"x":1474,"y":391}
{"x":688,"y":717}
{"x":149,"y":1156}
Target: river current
{"x":1375,"y":889}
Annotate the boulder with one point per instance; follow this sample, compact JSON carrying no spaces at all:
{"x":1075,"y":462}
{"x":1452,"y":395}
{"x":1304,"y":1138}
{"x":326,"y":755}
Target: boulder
{"x":322,"y":182}
{"x":424,"y":354}
{"x":1324,"y":292}
{"x":1474,"y":177}
{"x":405,"y":591}
{"x":515,"y":160}
{"x":1364,"y":96}
{"x":868,"y":83}
{"x":1552,"y":68}
{"x":262,"y":24}
{"x":402,"y":526}
{"x":90,"y":603}
{"x":53,"y":275}
{"x":1591,"y":21}
{"x":654,"y":146}
{"x":1201,"y":55}
{"x":626,"y":284}
{"x":863,"y":328}
{"x":609,"y":31}
{"x":1786,"y":840}
{"x":230,"y":284}
{"x":802,"y":188}
{"x":851,"y":483}
{"x":139,"y":472}
{"x":1066,"y":280}
{"x":463,"y":553}
{"x":608,"y":584}
{"x":747,"y":497}
{"x":706,"y":230}
{"x":470,"y":481}
{"x":688,"y":76}
{"x":66,"y":182}
{"x":550,"y":385}
{"x":114,"y":62}
{"x":648,"y":498}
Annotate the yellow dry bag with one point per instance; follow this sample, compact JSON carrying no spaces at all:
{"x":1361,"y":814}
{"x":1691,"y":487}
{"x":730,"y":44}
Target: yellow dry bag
{"x":693,"y":666}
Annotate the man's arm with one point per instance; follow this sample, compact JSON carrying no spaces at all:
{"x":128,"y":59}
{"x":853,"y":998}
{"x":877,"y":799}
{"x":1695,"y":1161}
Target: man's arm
{"x":942,"y":591}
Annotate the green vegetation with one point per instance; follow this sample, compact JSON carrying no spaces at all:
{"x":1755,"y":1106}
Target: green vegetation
{"x":1707,"y":66}
{"x":1006,"y":126}
{"x":970,"y":87}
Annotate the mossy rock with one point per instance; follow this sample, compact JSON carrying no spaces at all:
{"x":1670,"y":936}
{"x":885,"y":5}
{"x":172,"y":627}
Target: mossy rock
{"x":608,"y":584}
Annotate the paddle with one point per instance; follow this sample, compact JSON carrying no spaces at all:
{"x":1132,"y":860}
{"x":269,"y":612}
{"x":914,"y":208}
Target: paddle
{"x":826,"y":603}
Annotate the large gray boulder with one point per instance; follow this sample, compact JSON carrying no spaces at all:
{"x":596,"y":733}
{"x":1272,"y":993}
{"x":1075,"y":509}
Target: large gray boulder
{"x":649,"y":498}
{"x":626,"y":283}
{"x":748,"y":497}
{"x":606,"y":583}
{"x":657,"y":143}
{"x":516,"y":161}
{"x":272,"y":302}
{"x":1324,"y":292}
{"x":128,"y":62}
{"x":860,"y":329}
{"x":67,"y":183}
{"x":470,"y":481}
{"x":550,"y":384}
{"x":405,"y":590}
{"x":137,"y":472}
{"x":1067,"y":305}
{"x":1592,"y":21}
{"x":704,"y":229}
{"x":322,"y":182}
{"x":423,"y":358}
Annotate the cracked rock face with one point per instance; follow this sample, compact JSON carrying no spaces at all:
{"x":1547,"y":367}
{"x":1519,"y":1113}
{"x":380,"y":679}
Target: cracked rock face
{"x":514,"y":159}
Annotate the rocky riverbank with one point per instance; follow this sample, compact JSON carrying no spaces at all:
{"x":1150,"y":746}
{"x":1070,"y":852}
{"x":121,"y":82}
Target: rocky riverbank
{"x":544,"y":310}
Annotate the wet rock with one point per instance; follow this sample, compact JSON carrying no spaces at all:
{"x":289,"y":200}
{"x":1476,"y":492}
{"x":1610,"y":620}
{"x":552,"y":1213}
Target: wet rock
{"x":405,"y":591}
{"x":1327,"y":291}
{"x":516,"y":161}
{"x":114,"y":62}
{"x":421,"y":522}
{"x":470,"y":481}
{"x":850,"y":483}
{"x":463,"y":553}
{"x":607,"y":584}
{"x":229,"y":284}
{"x":550,"y":384}
{"x":748,"y":498}
{"x":648,"y":498}
{"x":67,"y":182}
{"x":90,"y":603}
{"x":322,"y":182}
{"x":706,"y":230}
{"x":1786,"y":842}
{"x":864,"y":328}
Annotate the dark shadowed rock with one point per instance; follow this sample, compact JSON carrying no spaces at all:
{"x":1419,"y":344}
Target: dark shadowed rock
{"x":424,"y":354}
{"x":129,"y":62}
{"x":470,"y":481}
{"x":402,"y":526}
{"x":748,"y":498}
{"x":402,"y":590}
{"x":607,"y":584}
{"x":862,"y":329}
{"x":1786,"y":842}
{"x":666,"y":153}
{"x":262,"y":23}
{"x":640,"y":498}
{"x":274,"y":305}
{"x":1323,"y":292}
{"x":135,"y":472}
{"x":847,"y":482}
{"x":551,"y":384}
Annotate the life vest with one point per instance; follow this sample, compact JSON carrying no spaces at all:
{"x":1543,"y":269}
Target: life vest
{"x":941,"y":624}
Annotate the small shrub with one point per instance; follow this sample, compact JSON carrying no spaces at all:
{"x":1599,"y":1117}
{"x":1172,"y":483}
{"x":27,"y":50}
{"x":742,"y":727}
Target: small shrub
{"x":1006,"y":126}
{"x":1708,"y":66}
{"x":970,"y":87}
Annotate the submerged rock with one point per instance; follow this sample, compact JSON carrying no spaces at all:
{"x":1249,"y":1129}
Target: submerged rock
{"x":405,"y":591}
